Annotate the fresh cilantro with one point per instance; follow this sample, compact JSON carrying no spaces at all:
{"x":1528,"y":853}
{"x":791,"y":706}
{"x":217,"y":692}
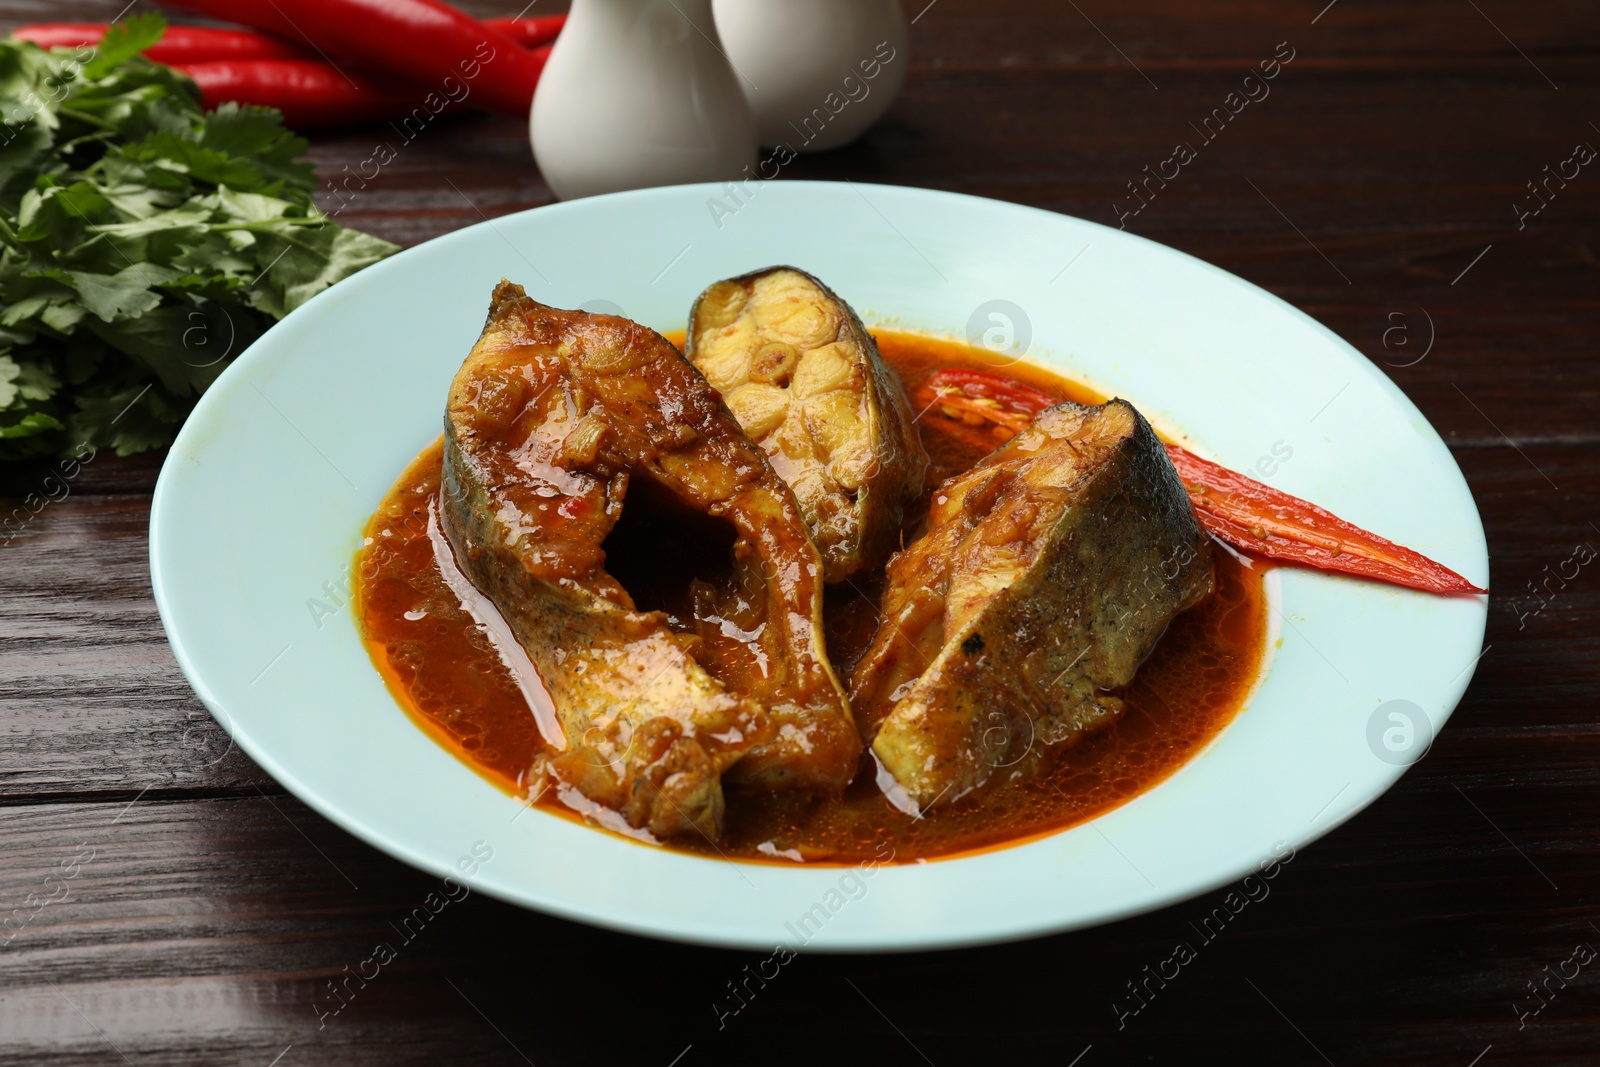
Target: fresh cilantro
{"x":123,"y":41}
{"x":144,"y":242}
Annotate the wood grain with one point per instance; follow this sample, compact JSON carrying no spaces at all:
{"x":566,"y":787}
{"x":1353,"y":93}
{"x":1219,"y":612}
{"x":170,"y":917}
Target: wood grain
{"x":214,"y":909}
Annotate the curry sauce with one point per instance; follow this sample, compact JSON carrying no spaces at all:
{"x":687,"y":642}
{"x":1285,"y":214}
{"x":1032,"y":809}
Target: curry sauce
{"x":421,"y":622}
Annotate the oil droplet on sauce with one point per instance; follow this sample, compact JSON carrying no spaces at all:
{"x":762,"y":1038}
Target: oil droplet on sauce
{"x":443,"y":656}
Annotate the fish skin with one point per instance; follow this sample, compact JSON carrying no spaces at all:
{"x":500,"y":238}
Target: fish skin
{"x":1045,"y":576}
{"x":550,"y":418}
{"x":844,"y":436}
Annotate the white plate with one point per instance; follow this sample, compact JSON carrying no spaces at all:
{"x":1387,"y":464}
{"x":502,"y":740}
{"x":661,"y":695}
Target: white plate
{"x":261,"y":503}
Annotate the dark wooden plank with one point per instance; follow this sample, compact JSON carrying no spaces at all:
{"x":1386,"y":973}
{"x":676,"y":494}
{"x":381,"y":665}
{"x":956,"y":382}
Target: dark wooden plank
{"x":91,"y":699}
{"x":1418,"y":919}
{"x":1155,"y":34}
{"x":100,"y":472}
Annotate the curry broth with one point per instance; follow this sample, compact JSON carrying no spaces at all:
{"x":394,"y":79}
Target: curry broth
{"x":449,"y":677}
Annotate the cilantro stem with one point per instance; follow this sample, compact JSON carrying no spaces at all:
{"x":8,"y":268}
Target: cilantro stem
{"x":86,"y":117}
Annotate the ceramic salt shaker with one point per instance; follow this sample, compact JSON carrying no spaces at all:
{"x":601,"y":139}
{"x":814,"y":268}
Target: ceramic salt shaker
{"x":639,"y":93}
{"x":817,"y":73}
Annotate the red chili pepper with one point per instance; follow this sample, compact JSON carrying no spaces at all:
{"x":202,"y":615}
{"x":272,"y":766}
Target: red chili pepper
{"x":1267,"y":521}
{"x":178,"y":44}
{"x":1235,"y":509}
{"x":530,"y":33}
{"x":308,"y":92}
{"x":252,"y":68}
{"x":203,"y":44}
{"x":422,"y":42}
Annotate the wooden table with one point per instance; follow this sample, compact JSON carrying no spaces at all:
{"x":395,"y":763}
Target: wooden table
{"x":1375,"y":188}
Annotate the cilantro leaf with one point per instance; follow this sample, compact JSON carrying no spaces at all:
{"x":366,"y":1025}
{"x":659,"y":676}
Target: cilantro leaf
{"x":33,"y":424}
{"x":257,"y":134}
{"x":144,"y":242}
{"x":123,"y":41}
{"x":9,"y":373}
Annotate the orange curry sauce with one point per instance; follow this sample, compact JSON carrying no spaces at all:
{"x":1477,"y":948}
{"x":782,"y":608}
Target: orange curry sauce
{"x":446,"y":673}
